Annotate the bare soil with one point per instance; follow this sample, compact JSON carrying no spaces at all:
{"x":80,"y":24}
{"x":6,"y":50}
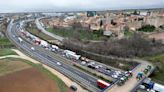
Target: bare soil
{"x":157,"y":36}
{"x":27,"y":80}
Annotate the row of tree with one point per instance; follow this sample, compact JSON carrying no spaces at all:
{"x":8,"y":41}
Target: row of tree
{"x":132,"y":46}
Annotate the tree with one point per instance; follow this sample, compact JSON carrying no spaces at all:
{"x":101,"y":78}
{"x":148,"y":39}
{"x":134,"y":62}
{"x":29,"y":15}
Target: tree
{"x":135,"y":12}
{"x":101,"y":23}
{"x":147,"y":28}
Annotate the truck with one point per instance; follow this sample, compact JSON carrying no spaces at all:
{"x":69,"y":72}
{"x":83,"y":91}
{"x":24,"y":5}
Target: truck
{"x":44,"y":44}
{"x":158,"y":87}
{"x":102,"y":84}
{"x":71,"y":55}
{"x":139,"y":75}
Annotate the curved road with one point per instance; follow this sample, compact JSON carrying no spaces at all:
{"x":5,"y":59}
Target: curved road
{"x":82,"y":78}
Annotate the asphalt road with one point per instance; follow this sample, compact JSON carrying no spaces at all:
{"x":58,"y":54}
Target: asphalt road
{"x":39,"y":26}
{"x":86,"y":80}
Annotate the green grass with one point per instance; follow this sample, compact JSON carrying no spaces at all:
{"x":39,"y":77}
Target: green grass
{"x":82,"y":34}
{"x":40,"y":34}
{"x":128,"y":33}
{"x":159,"y":77}
{"x":8,"y":66}
{"x":147,"y":28}
{"x":5,"y":41}
{"x":157,"y":60}
{"x":4,"y":52}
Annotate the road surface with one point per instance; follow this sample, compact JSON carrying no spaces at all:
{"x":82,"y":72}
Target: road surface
{"x":83,"y":78}
{"x":40,"y":27}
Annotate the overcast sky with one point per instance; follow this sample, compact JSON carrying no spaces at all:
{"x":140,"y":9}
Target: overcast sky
{"x":76,"y":5}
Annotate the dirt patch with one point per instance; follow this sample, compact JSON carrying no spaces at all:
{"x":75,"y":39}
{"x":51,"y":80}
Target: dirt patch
{"x":28,"y":80}
{"x":157,"y":36}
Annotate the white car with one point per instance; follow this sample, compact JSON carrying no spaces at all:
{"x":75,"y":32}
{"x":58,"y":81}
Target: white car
{"x":98,"y":66}
{"x":114,"y":76}
{"x":58,"y":63}
{"x":83,"y":62}
{"x":32,"y":48}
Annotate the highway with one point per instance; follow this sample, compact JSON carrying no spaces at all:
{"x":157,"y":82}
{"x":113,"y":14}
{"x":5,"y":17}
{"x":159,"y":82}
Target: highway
{"x":82,"y":78}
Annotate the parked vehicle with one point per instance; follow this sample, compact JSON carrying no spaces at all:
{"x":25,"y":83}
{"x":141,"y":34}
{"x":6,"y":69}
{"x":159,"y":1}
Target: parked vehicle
{"x":158,"y":88}
{"x":142,"y":87}
{"x":139,"y":75}
{"x":129,"y":74}
{"x":102,"y":84}
{"x":121,"y":82}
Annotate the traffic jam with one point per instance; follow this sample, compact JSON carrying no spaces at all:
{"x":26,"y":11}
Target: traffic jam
{"x":120,"y":76}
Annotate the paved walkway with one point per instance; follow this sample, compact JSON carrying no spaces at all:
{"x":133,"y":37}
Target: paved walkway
{"x":66,"y":80}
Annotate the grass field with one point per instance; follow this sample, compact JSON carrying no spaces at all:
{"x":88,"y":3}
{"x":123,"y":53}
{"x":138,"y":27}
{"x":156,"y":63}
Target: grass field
{"x":40,"y":34}
{"x":157,"y":60}
{"x":6,"y":51}
{"x":5,"y":41}
{"x":11,"y":65}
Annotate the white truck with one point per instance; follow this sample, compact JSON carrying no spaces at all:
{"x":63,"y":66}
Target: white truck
{"x":20,"y":40}
{"x":71,"y":54}
{"x":44,"y":44}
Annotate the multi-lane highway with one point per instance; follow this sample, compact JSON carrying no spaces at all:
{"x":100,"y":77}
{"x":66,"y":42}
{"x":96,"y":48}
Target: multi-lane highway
{"x":81,"y":77}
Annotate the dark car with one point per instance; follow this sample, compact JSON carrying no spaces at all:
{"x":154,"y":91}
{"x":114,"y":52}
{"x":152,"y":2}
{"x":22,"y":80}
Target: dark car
{"x":74,"y":88}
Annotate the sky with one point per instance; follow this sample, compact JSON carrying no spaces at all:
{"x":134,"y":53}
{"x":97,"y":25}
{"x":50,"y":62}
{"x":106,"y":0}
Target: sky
{"x":76,"y":5}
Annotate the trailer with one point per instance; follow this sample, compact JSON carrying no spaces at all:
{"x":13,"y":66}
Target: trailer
{"x":71,"y":54}
{"x":158,"y":88}
{"x":102,"y":84}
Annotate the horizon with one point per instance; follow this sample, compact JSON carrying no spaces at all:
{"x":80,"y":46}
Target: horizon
{"x":13,"y":6}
